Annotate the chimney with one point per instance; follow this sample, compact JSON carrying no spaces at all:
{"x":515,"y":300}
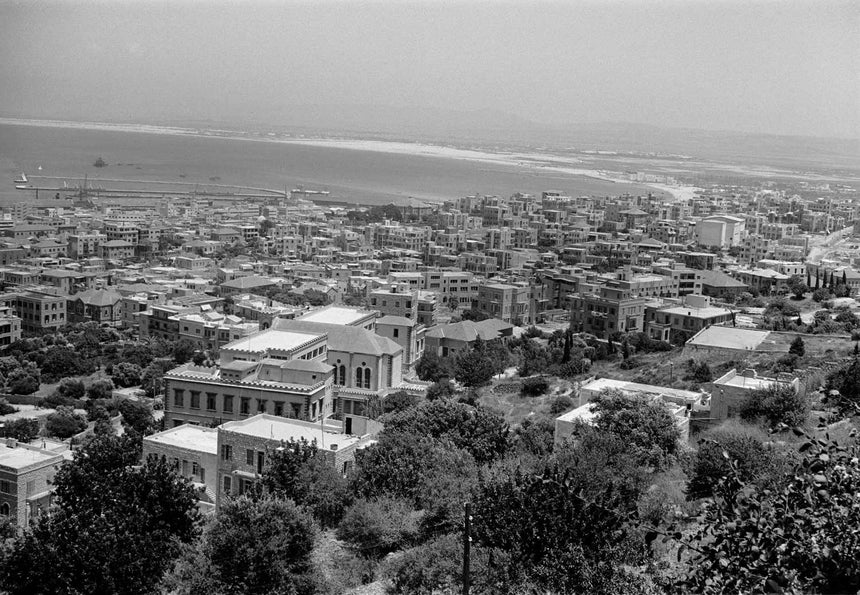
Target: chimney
{"x":333,"y":447}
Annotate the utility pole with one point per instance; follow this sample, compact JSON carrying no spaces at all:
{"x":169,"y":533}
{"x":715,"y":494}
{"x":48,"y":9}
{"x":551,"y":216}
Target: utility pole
{"x":467,"y":542}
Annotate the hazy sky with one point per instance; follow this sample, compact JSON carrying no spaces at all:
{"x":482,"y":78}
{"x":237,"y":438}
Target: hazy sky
{"x":781,"y":67}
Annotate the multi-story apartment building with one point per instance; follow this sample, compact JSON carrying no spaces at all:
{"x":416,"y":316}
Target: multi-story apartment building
{"x":609,"y":310}
{"x":680,"y":322}
{"x":84,"y":245}
{"x":38,"y":308}
{"x":10,"y":326}
{"x":126,"y":231}
{"x":689,"y":280}
{"x":244,"y":446}
{"x":25,"y":480}
{"x":509,"y":303}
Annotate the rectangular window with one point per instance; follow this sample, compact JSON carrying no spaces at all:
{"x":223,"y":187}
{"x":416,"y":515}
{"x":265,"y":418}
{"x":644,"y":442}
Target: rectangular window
{"x":249,"y":456}
{"x":226,"y":452}
{"x":245,"y":406}
{"x":228,"y":484}
{"x":195,"y":468}
{"x":279,"y":409}
{"x":195,"y":399}
{"x":210,"y":401}
{"x":228,"y":404}
{"x":396,"y":333}
{"x":261,"y":405}
{"x":179,"y":397}
{"x":5,"y":487}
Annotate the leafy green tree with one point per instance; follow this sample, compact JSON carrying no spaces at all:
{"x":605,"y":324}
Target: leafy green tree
{"x":475,"y":366}
{"x":432,"y":368}
{"x":125,"y":374}
{"x":443,"y":389}
{"x":65,"y":423}
{"x":23,"y":381}
{"x":183,"y":351}
{"x":260,"y":545}
{"x":797,"y":286}
{"x":843,"y":388}
{"x":22,"y":429}
{"x":415,"y":468}
{"x":6,"y":408}
{"x":115,"y":528}
{"x":534,"y":437}
{"x":787,"y":540}
{"x":482,"y":433}
{"x":298,"y":470}
{"x":534,"y":386}
{"x":152,"y":377}
{"x":101,"y":389}
{"x":72,"y":388}
{"x":736,"y":448}
{"x":646,"y":425}
{"x":137,"y":416}
{"x":777,"y":403}
{"x":399,"y":401}
{"x":559,"y":533}
{"x":62,"y":362}
{"x":797,"y":347}
{"x":378,"y":526}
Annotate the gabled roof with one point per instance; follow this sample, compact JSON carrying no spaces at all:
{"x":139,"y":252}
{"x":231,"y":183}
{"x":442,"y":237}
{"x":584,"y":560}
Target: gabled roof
{"x":720,"y":279}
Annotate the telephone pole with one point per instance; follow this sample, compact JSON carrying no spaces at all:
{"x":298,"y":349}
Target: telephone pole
{"x":467,"y":542}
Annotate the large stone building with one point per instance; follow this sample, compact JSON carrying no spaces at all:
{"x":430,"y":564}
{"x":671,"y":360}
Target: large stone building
{"x":25,"y":480}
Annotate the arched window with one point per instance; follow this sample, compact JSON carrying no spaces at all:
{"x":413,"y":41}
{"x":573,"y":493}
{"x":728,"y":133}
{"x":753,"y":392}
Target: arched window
{"x":358,"y":378}
{"x":367,"y":378}
{"x":4,"y":509}
{"x":342,"y":375}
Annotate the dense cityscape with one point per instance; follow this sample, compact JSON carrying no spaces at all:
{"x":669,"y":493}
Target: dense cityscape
{"x":381,"y":366}
{"x":373,"y":297}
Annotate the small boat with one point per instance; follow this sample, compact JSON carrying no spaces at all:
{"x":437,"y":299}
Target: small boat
{"x":23,"y":179}
{"x":20,"y":187}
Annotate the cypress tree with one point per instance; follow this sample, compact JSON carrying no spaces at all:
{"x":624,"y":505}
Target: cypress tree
{"x":817,"y":281}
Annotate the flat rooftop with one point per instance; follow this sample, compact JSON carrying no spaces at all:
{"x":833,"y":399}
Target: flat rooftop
{"x":727,"y":337}
{"x":601,"y":384}
{"x":271,"y":339}
{"x":188,"y":436}
{"x":749,"y":383}
{"x":584,"y":413}
{"x":336,"y":315}
{"x":707,"y":312}
{"x":280,"y":428}
{"x":19,"y":457}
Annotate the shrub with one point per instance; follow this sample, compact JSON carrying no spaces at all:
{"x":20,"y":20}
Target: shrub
{"x":778,"y":403}
{"x":379,"y":526}
{"x":6,"y":408}
{"x":534,"y":386}
{"x":560,"y":404}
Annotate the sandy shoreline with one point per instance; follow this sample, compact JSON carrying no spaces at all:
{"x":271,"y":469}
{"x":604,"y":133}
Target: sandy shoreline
{"x":563,"y":164}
